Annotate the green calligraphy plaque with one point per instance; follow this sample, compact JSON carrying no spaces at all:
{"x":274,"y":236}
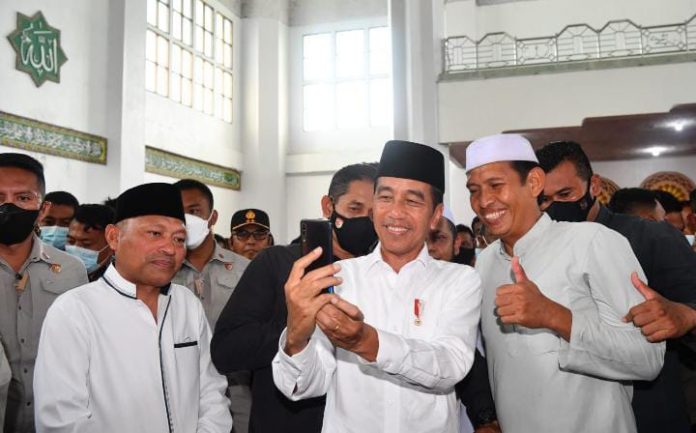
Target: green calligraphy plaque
{"x":170,"y":164}
{"x":38,"y":49}
{"x":28,"y":134}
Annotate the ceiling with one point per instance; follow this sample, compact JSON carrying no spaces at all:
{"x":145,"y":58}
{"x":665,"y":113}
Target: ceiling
{"x":624,"y":137}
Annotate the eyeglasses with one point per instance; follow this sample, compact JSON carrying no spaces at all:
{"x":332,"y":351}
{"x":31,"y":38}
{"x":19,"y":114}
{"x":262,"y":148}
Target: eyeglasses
{"x":243,"y":235}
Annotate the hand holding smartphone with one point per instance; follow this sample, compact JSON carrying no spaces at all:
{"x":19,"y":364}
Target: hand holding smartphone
{"x":317,"y":233}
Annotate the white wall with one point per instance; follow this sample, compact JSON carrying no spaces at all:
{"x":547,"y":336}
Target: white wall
{"x":470,"y":109}
{"x":548,"y":17}
{"x":80,"y":101}
{"x":307,"y":12}
{"x":304,"y":200}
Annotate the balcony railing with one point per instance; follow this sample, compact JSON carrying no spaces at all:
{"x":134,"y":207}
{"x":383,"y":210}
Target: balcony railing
{"x":575,"y":43}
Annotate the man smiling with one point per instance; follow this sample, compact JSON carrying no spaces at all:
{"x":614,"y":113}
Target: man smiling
{"x":554,"y":298}
{"x":398,"y":372}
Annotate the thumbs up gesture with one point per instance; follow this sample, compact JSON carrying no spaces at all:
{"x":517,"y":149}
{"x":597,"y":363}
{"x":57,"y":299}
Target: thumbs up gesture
{"x":522,"y":303}
{"x":659,"y":318}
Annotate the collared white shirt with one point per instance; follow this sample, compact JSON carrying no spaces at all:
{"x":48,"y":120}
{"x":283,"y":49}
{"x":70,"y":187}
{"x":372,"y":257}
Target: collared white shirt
{"x":542,"y":383}
{"x":410,"y":387}
{"x":105,"y":364}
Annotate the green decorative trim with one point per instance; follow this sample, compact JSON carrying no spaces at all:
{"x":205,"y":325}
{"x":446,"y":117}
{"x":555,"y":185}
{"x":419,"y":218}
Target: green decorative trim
{"x":29,"y":134}
{"x":170,"y":164}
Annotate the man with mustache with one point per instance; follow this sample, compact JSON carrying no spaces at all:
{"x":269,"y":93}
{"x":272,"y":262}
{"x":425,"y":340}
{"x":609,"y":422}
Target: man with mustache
{"x":401,"y":332}
{"x":559,"y":351}
{"x":130,"y":351}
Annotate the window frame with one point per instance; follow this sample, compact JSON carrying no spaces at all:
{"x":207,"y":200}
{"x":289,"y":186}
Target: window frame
{"x":176,"y":75}
{"x":333,"y":80}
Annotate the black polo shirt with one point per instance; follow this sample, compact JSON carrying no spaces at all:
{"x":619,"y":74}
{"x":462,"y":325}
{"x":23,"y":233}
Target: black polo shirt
{"x":246,"y":338}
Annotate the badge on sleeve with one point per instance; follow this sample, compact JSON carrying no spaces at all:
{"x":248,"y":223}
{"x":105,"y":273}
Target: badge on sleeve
{"x":56,"y":268}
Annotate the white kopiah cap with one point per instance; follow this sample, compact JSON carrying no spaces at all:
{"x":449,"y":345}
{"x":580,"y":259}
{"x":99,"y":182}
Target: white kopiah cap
{"x":497,"y":148}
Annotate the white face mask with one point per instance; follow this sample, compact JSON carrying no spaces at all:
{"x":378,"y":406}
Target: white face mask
{"x":196,"y":231}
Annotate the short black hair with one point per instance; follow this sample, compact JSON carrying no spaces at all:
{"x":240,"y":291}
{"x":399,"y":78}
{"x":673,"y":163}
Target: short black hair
{"x":668,"y":201}
{"x":437,"y":196}
{"x":452,"y":228}
{"x":462,"y":228}
{"x":187,"y":184}
{"x":63,"y":198}
{"x":523,"y":168}
{"x":111,"y":202}
{"x":632,"y":200}
{"x":554,"y":153}
{"x":340,"y":182}
{"x":25,"y":162}
{"x":94,"y":216}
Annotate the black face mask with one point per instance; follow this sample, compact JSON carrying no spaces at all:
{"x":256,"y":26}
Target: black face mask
{"x":572,"y":211}
{"x":15,"y":223}
{"x":355,"y":235}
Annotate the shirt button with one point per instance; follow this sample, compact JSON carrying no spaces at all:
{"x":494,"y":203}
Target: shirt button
{"x":20,"y":307}
{"x":21,"y":340}
{"x":28,"y":403}
{"x":26,"y":371}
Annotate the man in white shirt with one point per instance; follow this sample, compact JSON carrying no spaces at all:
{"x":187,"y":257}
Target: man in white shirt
{"x":396,"y":374}
{"x":559,"y":353}
{"x":130,"y":351}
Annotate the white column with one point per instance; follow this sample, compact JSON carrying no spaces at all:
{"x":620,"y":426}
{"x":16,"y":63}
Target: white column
{"x":417,"y":28}
{"x":265,"y":109}
{"x":126,"y":93}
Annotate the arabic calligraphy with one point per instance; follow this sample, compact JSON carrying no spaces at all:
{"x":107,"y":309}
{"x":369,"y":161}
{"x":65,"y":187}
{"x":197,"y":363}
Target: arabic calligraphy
{"x":38,"y":48}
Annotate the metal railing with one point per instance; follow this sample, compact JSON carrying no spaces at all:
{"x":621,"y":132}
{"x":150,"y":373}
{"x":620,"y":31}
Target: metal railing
{"x":577,"y":42}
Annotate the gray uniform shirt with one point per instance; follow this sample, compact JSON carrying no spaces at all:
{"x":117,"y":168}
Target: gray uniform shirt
{"x":5,"y":377}
{"x":47,"y":273}
{"x":215,"y":283}
{"x":540,"y":382}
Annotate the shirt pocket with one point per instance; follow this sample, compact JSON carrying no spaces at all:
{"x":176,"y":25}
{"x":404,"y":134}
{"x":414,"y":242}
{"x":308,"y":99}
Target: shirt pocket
{"x":227,"y":281}
{"x":187,"y":355}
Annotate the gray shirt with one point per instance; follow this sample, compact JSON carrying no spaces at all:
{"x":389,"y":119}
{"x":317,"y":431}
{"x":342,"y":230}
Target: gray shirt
{"x":215,"y":283}
{"x":540,"y":382}
{"x":24,"y":299}
{"x":5,"y":377}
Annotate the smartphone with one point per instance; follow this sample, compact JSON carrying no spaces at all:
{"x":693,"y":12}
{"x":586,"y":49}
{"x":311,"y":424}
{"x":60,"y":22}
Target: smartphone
{"x":317,"y":233}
